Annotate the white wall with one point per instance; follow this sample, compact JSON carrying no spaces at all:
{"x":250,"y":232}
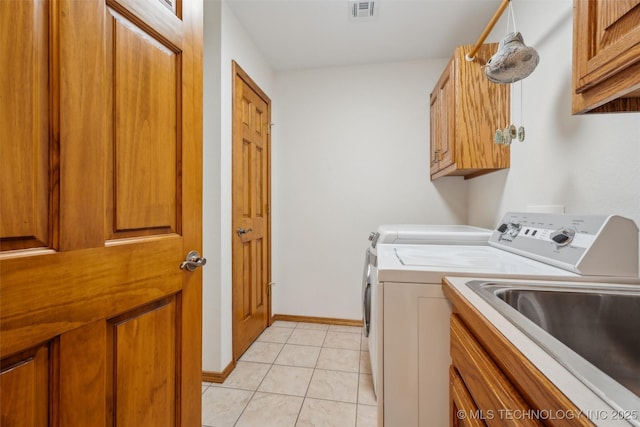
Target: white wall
{"x":211,"y":210}
{"x":350,"y":151}
{"x":589,"y":163}
{"x":225,"y":40}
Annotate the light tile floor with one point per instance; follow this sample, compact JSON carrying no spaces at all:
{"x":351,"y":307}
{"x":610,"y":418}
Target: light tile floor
{"x":296,"y":374}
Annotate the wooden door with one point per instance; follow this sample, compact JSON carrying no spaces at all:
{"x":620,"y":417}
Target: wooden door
{"x":251,"y":211}
{"x":100,"y":197}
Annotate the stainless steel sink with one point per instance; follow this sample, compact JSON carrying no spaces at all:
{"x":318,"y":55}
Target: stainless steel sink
{"x":594,"y":331}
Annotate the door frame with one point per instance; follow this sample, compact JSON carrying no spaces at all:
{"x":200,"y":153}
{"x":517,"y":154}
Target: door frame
{"x":238,"y":72}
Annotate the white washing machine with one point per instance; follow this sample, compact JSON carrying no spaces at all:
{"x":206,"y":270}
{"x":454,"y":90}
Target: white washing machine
{"x":411,"y":331}
{"x":402,"y":234}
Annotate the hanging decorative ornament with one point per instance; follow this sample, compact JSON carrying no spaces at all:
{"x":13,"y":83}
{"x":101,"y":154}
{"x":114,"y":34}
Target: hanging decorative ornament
{"x":521,"y":128}
{"x":507,"y":135}
{"x":513,"y":61}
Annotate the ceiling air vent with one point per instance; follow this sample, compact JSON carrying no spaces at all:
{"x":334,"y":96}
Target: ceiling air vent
{"x":362,"y":9}
{"x":171,"y":4}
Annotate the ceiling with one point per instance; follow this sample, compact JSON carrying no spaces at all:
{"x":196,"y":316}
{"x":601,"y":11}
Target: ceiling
{"x":296,"y":34}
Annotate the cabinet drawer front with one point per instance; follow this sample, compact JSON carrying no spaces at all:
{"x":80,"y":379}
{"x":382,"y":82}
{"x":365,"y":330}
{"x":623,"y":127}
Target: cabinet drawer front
{"x":491,"y":390}
{"x":464,"y":412}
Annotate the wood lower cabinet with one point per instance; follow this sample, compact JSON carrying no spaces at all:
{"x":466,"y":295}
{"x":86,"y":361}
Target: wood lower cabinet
{"x":466,"y":109}
{"x":492,"y":384}
{"x":496,"y":400}
{"x":606,"y":56}
{"x":464,"y":412}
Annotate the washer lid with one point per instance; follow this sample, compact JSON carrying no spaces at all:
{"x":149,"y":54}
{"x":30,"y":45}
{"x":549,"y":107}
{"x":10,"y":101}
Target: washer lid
{"x":433,"y":234}
{"x":462,"y":258}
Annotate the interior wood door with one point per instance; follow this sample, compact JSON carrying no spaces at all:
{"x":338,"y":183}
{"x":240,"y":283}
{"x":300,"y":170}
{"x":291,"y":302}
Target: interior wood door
{"x":251,"y":211}
{"x":100,"y":201}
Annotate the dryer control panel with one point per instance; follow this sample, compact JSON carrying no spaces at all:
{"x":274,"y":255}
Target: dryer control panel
{"x":585,"y":244}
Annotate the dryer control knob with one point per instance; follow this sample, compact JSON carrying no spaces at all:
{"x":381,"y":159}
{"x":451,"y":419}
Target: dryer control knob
{"x":514,"y":229}
{"x":563,"y":236}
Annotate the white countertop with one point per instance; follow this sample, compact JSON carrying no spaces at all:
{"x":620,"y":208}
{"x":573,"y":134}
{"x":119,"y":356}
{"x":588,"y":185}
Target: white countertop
{"x":583,"y":397}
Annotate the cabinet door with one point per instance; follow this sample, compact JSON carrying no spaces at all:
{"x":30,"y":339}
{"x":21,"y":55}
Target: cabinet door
{"x":435,"y":129}
{"x":607,"y":51}
{"x":464,"y":412}
{"x":442,"y":130}
{"x":492,"y":391}
{"x":466,"y":109}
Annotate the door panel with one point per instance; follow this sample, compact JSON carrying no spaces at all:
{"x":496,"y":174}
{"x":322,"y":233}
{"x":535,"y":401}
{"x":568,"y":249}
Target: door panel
{"x":146,"y":93}
{"x":144,"y":348}
{"x":25,"y":173}
{"x":87,"y":347}
{"x":610,"y":39}
{"x":251,"y":199}
{"x":611,"y":15}
{"x":108,"y":152}
{"x":260,"y":296}
{"x":27,"y":374}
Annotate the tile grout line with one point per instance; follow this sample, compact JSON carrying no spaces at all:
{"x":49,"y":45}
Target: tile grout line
{"x":261,"y":381}
{"x":315,"y":365}
{"x":315,"y":368}
{"x":271,"y":366}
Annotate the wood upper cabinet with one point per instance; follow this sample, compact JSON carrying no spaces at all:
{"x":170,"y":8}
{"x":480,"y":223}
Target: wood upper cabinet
{"x":465,"y":111}
{"x":606,"y":56}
